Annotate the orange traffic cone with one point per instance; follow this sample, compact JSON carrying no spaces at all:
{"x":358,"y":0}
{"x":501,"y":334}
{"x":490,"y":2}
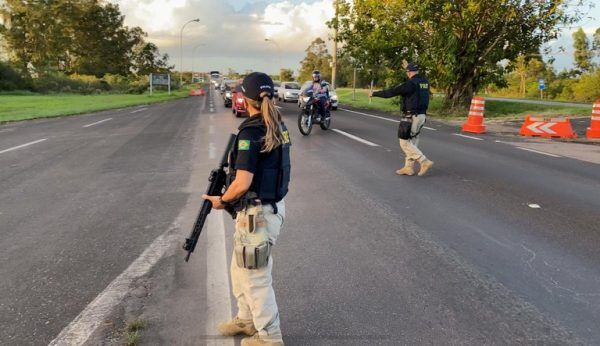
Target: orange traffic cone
{"x":474,"y":123}
{"x":594,"y":130}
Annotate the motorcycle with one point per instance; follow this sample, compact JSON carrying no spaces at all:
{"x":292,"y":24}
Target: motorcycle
{"x":309,"y":115}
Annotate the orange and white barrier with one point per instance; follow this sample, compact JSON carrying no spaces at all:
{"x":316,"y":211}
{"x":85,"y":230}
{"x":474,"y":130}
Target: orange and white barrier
{"x":474,"y":123}
{"x":594,"y":130}
{"x":549,"y":128}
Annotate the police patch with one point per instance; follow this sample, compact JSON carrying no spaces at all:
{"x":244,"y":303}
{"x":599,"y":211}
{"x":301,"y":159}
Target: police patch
{"x":286,"y":137}
{"x":244,"y":144}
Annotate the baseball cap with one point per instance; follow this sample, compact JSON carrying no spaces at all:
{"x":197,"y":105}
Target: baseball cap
{"x":412,"y":67}
{"x":255,"y":84}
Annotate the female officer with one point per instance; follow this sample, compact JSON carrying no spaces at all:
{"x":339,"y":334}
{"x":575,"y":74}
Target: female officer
{"x":260,"y":166}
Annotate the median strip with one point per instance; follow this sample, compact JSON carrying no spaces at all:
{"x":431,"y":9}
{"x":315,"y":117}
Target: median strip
{"x":22,"y":146}
{"x":97,"y":122}
{"x":358,"y":139}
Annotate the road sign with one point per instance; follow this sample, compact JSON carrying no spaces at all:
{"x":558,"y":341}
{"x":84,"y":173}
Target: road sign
{"x":541,"y":84}
{"x":160,"y":79}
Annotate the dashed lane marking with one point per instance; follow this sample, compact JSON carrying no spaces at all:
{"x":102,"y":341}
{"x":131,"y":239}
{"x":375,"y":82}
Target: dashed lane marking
{"x":139,"y":110}
{"x":534,"y":206}
{"x":364,"y":141}
{"x":22,"y":145}
{"x":382,"y":118}
{"x":539,"y":152}
{"x":97,"y":122}
{"x":470,"y":137}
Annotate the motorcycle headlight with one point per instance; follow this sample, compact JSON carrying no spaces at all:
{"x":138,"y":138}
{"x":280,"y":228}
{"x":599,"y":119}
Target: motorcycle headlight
{"x":305,"y":99}
{"x":228,"y":94}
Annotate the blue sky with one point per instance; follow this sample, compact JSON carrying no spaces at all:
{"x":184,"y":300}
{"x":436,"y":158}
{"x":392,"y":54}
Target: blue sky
{"x":229,"y":27}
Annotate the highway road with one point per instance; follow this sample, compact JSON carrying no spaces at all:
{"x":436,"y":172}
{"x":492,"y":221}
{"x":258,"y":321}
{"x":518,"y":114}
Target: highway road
{"x":498,"y":245}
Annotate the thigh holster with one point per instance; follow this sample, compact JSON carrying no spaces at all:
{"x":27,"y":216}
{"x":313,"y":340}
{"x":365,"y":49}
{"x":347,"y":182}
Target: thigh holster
{"x":251,"y":241}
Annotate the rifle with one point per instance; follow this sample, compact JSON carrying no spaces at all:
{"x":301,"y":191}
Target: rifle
{"x":217,"y":181}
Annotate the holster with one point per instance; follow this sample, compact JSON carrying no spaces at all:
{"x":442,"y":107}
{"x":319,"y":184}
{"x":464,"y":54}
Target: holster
{"x":251,"y":243}
{"x":405,"y":126}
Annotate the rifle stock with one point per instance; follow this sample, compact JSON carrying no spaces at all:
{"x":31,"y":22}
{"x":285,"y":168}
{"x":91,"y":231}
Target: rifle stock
{"x":217,"y":179}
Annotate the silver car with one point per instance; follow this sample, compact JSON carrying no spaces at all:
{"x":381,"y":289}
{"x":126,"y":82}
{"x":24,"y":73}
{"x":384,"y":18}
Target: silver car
{"x":288,"y":91}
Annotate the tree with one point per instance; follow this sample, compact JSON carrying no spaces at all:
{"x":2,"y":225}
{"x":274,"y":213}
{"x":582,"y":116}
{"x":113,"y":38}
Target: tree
{"x":596,"y":42}
{"x":286,"y":75}
{"x":317,"y":58}
{"x":582,"y":54}
{"x":147,"y":59}
{"x":458,"y":43}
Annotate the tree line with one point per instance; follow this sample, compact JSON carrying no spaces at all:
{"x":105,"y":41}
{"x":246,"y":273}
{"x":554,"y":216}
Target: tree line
{"x":463,"y":46}
{"x":59,"y":39}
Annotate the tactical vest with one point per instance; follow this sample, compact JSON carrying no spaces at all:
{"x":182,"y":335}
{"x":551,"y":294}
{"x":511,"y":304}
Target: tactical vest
{"x":271,"y":181}
{"x":417,"y":102}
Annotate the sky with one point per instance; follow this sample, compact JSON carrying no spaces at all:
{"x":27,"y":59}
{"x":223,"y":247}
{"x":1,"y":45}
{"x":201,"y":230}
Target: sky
{"x":231,"y":33}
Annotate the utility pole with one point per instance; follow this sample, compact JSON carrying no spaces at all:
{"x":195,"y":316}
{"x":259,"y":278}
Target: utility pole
{"x":335,"y":39}
{"x":197,"y":20}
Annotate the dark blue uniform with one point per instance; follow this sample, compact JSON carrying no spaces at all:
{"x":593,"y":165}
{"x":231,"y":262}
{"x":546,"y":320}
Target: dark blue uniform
{"x":414,"y":92}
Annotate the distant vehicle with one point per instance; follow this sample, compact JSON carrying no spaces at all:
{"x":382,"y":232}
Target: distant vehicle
{"x":228,"y":94}
{"x":276,"y":84}
{"x":239,"y":106}
{"x":288,"y":91}
{"x":224,"y":84}
{"x":333,"y":98}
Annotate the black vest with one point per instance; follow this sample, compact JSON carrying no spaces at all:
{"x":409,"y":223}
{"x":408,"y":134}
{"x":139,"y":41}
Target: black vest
{"x":272,"y":178}
{"x":417,"y":102}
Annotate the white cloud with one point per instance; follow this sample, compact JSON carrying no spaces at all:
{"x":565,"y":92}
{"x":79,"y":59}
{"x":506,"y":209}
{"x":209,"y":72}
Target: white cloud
{"x":234,"y":36}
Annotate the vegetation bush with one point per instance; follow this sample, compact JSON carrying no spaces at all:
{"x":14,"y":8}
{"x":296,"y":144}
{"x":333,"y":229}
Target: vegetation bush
{"x":10,"y":78}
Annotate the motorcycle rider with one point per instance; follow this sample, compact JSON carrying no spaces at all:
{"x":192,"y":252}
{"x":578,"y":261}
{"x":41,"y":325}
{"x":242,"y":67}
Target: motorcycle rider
{"x":320,"y":91}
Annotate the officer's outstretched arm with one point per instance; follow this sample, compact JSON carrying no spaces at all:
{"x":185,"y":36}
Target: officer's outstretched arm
{"x":403,"y":89}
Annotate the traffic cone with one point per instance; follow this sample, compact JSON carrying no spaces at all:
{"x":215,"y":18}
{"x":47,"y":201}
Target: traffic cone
{"x":594,"y":130}
{"x":474,"y":123}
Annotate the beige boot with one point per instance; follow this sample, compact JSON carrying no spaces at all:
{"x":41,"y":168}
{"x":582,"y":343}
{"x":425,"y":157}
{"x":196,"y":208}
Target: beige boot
{"x":425,"y":166}
{"x":257,"y":340}
{"x":237,"y":326}
{"x":406,"y":170}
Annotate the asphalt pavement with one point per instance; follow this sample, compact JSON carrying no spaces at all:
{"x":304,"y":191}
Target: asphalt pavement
{"x":497,"y":245}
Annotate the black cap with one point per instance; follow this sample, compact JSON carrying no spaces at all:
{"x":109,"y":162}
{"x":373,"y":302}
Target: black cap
{"x":412,"y":67}
{"x":255,"y":84}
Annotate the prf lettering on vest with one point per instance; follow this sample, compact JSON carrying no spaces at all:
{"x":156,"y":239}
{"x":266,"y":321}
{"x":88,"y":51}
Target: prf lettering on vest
{"x":424,"y":85}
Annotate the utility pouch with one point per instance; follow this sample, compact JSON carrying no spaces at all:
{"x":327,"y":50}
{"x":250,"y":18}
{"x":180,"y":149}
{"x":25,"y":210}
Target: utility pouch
{"x":404,"y":128}
{"x":251,"y":242}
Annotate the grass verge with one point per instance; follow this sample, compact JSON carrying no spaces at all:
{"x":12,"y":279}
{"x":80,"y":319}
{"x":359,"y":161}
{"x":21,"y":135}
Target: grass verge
{"x":15,"y":107}
{"x":493,"y":109}
{"x":133,"y":331}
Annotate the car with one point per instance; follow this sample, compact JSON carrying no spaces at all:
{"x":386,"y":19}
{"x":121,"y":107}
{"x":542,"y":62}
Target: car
{"x":288,"y":91}
{"x":276,"y":85}
{"x":238,"y":105}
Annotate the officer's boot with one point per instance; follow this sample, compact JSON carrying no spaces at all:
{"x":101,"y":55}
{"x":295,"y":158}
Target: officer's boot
{"x":237,"y":326}
{"x":408,"y":169}
{"x":259,"y":340}
{"x":425,"y":166}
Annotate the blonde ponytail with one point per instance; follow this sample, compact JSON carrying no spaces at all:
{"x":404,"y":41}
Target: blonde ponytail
{"x":272,"y":119}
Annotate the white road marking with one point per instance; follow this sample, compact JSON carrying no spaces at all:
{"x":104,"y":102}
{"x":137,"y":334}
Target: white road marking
{"x":22,"y":146}
{"x":364,"y":141}
{"x":369,"y":115}
{"x":218,"y":302}
{"x":382,"y":118}
{"x":139,"y":110}
{"x":97,"y":122}
{"x":534,"y":206}
{"x":212,"y":151}
{"x":539,"y":152}
{"x":470,"y":137}
{"x":92,"y":317}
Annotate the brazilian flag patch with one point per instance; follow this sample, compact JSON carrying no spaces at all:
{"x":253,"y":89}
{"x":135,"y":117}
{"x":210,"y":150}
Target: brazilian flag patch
{"x":244,"y":144}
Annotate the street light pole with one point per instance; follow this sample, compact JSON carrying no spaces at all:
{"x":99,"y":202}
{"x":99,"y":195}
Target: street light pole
{"x":335,"y":48}
{"x":278,"y":53}
{"x":197,"y":20}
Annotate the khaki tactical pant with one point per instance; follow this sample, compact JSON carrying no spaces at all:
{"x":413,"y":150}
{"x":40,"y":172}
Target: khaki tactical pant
{"x":410,"y":146}
{"x":253,"y":288}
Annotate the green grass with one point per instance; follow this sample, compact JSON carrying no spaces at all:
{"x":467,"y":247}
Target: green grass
{"x":493,"y":109}
{"x":133,"y":330}
{"x":15,"y":107}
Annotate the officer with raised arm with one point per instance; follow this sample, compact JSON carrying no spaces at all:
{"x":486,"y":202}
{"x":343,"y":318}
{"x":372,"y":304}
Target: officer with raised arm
{"x":415,"y":101}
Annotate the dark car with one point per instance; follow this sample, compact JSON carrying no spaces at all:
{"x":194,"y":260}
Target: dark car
{"x":227,"y":96}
